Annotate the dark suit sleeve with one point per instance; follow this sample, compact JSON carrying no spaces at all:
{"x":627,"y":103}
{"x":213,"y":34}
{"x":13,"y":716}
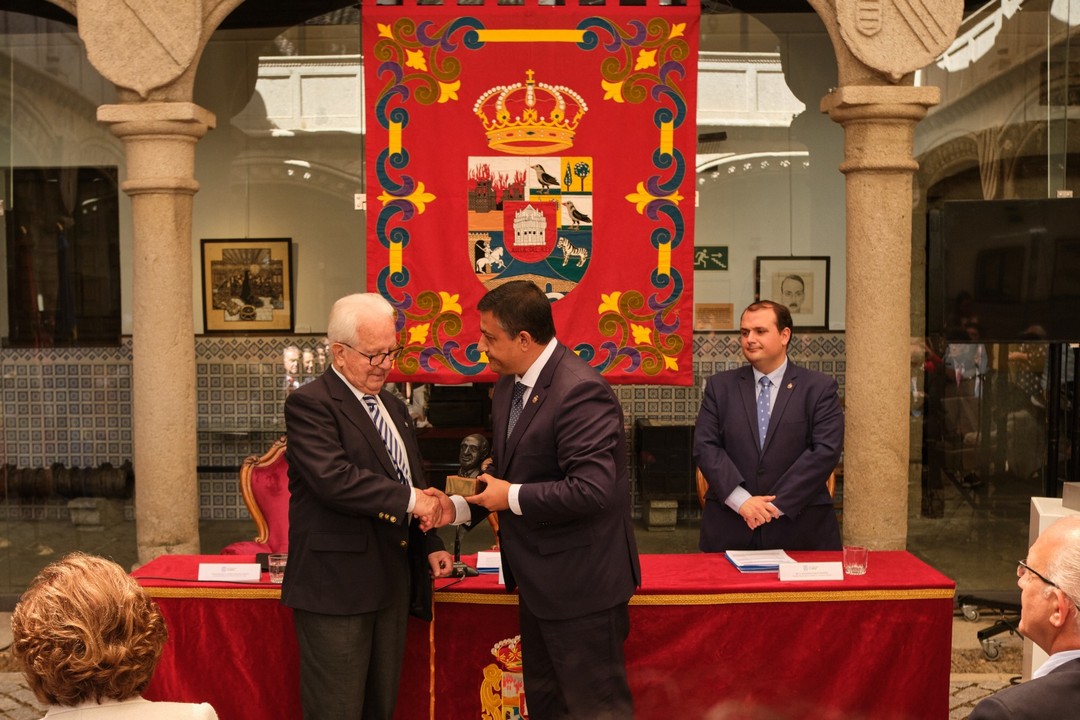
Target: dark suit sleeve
{"x":586,"y":422}
{"x":318,"y":456}
{"x":990,"y":709}
{"x":710,"y":451}
{"x":805,"y":478}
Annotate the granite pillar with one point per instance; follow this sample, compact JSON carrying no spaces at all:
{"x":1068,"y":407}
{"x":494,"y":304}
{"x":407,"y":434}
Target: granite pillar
{"x":160,"y":142}
{"x":879,"y":125}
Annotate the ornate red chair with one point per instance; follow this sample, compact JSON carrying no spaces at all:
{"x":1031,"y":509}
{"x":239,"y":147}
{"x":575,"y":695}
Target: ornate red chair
{"x":264,"y":482}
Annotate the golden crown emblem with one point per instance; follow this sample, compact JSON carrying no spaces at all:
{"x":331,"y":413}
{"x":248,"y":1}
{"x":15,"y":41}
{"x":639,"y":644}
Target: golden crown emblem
{"x":530,"y":118}
{"x":508,"y":653}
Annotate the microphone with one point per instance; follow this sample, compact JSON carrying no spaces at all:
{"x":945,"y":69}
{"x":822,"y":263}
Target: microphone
{"x":460,"y":569}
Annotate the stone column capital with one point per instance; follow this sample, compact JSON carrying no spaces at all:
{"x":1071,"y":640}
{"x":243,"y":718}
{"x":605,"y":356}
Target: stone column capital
{"x":160,"y":138}
{"x":879,"y":124}
{"x":879,"y":101}
{"x":144,"y":117}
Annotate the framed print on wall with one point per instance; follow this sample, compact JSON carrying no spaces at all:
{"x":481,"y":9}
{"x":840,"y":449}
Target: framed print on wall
{"x":801,"y":283}
{"x":247,"y":285}
{"x":711,"y":317}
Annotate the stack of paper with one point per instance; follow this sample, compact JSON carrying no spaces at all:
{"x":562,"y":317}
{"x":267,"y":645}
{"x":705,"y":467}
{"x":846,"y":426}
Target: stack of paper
{"x":751,"y":561}
{"x":488,"y":562}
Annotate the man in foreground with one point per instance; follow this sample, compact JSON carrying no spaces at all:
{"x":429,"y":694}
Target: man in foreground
{"x":1049,"y":583}
{"x":560,"y":486}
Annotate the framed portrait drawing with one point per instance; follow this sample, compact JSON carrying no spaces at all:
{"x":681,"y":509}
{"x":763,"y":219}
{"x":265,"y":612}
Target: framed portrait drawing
{"x":247,"y":285}
{"x":801,"y":283}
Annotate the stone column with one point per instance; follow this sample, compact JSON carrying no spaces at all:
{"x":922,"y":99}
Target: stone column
{"x":879,"y":126}
{"x":160,"y":139}
{"x":878,"y":48}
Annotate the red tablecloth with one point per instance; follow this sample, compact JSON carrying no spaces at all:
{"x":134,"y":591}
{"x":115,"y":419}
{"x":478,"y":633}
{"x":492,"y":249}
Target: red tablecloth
{"x":233,"y":645}
{"x":702,"y":635}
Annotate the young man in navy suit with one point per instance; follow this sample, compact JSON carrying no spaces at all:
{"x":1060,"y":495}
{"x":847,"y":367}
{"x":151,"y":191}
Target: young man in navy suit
{"x":768,"y":436}
{"x":1049,"y":583}
{"x":560,"y":486}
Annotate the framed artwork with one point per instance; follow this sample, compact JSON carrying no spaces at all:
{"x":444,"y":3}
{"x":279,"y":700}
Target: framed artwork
{"x":247,"y":285}
{"x":710,"y":317}
{"x":801,"y":283}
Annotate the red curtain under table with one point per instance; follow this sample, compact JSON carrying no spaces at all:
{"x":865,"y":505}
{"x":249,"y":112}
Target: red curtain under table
{"x":702,"y":636}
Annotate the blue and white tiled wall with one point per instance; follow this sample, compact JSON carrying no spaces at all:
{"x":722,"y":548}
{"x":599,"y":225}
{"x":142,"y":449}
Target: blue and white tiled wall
{"x":73,"y":406}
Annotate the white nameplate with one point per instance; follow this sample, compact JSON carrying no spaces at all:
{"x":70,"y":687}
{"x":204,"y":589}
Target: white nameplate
{"x":812,"y":571}
{"x":490,"y":562}
{"x":230,"y":572}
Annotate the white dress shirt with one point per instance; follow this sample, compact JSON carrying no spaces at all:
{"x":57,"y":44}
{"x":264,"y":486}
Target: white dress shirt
{"x":461,"y":508}
{"x":740,"y":494}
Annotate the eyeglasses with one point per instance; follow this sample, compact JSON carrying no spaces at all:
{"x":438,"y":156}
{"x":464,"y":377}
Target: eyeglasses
{"x":377,"y":358}
{"x":1022,"y":568}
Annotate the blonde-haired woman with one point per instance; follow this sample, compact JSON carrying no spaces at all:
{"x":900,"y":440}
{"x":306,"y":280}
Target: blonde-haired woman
{"x":88,"y":639}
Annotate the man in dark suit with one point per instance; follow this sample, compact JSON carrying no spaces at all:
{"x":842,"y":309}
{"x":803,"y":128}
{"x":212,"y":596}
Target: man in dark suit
{"x":768,"y":436}
{"x":560,"y":486}
{"x":1049,"y":583}
{"x":355,"y":551}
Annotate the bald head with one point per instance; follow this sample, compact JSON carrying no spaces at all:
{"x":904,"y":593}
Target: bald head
{"x":1050,"y":590}
{"x":1061,"y":541}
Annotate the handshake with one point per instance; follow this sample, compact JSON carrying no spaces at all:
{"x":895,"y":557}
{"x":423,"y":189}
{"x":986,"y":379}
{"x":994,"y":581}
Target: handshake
{"x":435,"y":509}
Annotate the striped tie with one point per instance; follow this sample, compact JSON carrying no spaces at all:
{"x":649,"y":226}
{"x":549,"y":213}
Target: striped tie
{"x":397,"y":453}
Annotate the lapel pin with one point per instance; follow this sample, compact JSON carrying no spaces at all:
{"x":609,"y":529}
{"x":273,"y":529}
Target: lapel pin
{"x":535,"y":399}
{"x":790,"y":385}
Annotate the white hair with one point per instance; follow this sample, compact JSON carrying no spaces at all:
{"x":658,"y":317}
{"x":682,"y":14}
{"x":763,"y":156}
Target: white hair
{"x":352,"y":313}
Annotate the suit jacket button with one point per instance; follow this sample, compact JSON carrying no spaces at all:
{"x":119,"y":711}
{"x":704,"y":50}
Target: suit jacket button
{"x":393,"y":519}
{"x":404,"y":543}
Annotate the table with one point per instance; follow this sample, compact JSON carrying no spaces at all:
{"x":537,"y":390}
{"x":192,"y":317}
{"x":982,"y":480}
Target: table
{"x":233,"y":645}
{"x":702,"y":635}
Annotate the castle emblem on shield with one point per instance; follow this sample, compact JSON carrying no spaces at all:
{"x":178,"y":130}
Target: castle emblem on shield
{"x":531,"y":218}
{"x":530,"y":215}
{"x":502,"y":692}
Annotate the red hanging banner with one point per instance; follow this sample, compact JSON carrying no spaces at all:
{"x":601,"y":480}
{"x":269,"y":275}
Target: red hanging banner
{"x":548,"y":143}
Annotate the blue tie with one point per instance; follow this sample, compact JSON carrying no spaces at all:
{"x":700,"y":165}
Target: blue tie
{"x":763,"y":409}
{"x":397,"y":453}
{"x":515,"y":407}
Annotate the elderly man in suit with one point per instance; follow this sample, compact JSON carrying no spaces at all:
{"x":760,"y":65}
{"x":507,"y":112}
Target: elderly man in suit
{"x":358,"y":560}
{"x":768,"y":436}
{"x":1049,"y":583}
{"x":560,"y":486}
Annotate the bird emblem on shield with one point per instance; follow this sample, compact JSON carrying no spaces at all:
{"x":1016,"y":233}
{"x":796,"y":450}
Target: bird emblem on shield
{"x":531,"y":218}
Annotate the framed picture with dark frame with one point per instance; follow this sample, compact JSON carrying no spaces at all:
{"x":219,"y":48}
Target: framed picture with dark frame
{"x":247,"y":285}
{"x":801,"y":283}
